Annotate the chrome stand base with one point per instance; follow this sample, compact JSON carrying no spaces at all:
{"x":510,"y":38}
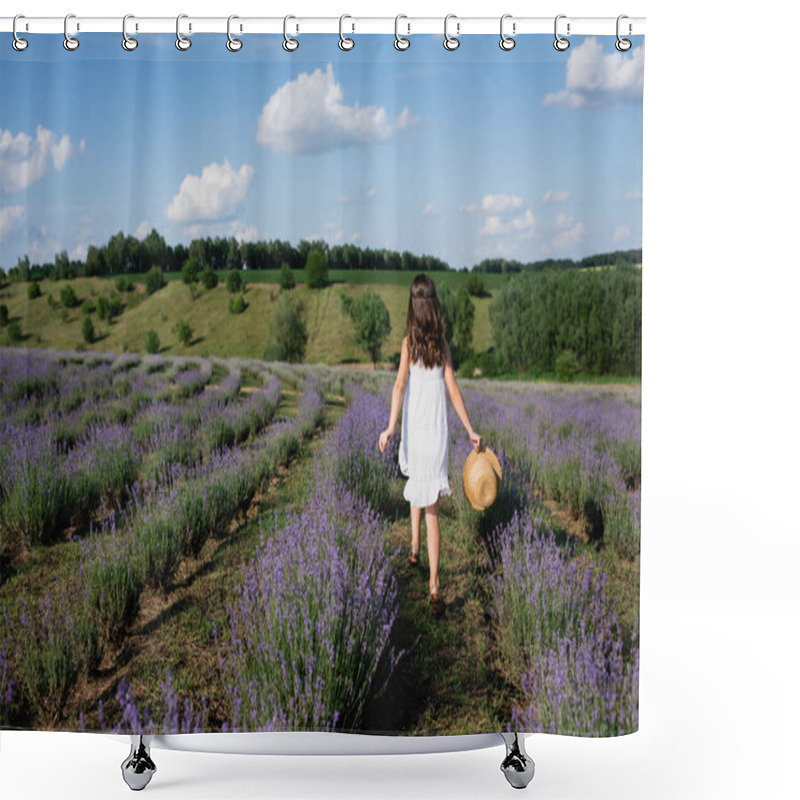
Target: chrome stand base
{"x":138,"y":768}
{"x":517,"y":766}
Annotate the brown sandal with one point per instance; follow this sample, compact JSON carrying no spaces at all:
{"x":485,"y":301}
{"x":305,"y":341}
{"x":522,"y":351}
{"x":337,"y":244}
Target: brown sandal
{"x":437,"y":604}
{"x":413,"y":559}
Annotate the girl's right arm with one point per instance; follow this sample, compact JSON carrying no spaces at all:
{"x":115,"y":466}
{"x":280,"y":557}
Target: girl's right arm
{"x":458,"y":402}
{"x":397,"y":396}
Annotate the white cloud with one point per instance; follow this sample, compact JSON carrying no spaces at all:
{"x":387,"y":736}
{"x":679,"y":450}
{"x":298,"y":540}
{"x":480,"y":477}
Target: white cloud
{"x":308,"y":114}
{"x":567,"y":239}
{"x":621,"y":234}
{"x":215,"y":195}
{"x":500,"y":203}
{"x":551,"y":196}
{"x":494,"y":224}
{"x":232,"y":228}
{"x":24,"y":159}
{"x":595,"y":78}
{"x":41,"y":251}
{"x":9,"y":217}
{"x":468,"y":208}
{"x":143,"y":229}
{"x":356,"y":199}
{"x":430,"y":210}
{"x":355,"y":236}
{"x":79,"y":252}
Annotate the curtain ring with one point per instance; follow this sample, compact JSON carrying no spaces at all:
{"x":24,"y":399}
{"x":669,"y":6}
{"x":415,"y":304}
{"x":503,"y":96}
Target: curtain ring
{"x":289,"y":44}
{"x":233,"y":44}
{"x":128,"y":42}
{"x":561,"y":43}
{"x":70,"y":42}
{"x":450,"y":42}
{"x":400,"y":42}
{"x":506,"y":42}
{"x":345,"y":43}
{"x":181,"y":42}
{"x":18,"y":43}
{"x":623,"y":45}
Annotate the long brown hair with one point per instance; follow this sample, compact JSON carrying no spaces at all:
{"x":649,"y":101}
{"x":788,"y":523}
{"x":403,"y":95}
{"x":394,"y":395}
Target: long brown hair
{"x":425,"y":324}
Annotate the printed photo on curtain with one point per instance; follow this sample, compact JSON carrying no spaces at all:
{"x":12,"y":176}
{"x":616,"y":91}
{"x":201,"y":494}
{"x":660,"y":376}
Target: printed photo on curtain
{"x":320,"y":385}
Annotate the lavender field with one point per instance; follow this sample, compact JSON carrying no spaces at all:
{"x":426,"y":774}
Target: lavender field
{"x":206,"y":544}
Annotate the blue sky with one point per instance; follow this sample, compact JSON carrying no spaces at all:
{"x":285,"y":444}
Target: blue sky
{"x":465,"y":155}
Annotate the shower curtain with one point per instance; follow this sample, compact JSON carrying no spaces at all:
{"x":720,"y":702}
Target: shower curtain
{"x":207,"y":256}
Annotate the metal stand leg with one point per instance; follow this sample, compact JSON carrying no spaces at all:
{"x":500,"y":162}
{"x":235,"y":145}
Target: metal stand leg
{"x":138,"y":768}
{"x":518,"y":766}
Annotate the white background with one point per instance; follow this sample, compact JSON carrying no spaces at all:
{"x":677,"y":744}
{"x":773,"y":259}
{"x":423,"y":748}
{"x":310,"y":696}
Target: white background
{"x":719,"y":704}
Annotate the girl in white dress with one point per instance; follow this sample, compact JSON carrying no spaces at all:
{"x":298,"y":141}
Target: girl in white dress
{"x":425,"y":370}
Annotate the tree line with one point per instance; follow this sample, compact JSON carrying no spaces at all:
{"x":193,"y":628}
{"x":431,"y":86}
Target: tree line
{"x":503,"y":265}
{"x":565,"y":322}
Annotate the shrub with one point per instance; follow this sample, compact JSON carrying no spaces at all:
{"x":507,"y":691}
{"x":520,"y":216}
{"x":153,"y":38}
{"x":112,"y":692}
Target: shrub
{"x":234,"y":282}
{"x":87,"y":306}
{"x":316,"y":269}
{"x":68,"y":296}
{"x":3,"y":315}
{"x":87,"y":330}
{"x":237,"y":304}
{"x":152,"y":343}
{"x":154,"y":280}
{"x":190,"y":271}
{"x":184,"y":333}
{"x":371,"y":321}
{"x":102,"y":307}
{"x":288,"y":336}
{"x":286,"y":278}
{"x":209,"y":277}
{"x":123,"y":283}
{"x":34,"y":290}
{"x":14,"y":331}
{"x":567,"y":366}
{"x":475,"y":286}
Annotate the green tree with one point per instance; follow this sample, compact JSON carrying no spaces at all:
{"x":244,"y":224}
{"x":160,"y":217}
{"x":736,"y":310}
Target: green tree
{"x":184,"y":333}
{"x":34,"y":290}
{"x":87,"y":306}
{"x":154,"y":280}
{"x":235,"y":282}
{"x":465,"y":319}
{"x":209,"y":277}
{"x":371,"y":322}
{"x":447,"y":302}
{"x":152,"y":343}
{"x":316,"y":269}
{"x":286,"y":278}
{"x":237,"y":304}
{"x":475,"y":286}
{"x":102,"y":307}
{"x":190,"y":271}
{"x":3,"y":315}
{"x":87,"y":330}
{"x":14,"y":331}
{"x":288,"y":336}
{"x":68,"y":296}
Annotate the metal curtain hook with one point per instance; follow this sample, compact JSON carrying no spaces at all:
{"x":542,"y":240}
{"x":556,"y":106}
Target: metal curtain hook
{"x":18,"y":43}
{"x":70,"y":42}
{"x":289,"y":44}
{"x":561,"y":43}
{"x":233,"y":44}
{"x":345,"y":43}
{"x":506,"y":42}
{"x":450,"y":42}
{"x":623,"y":45}
{"x":400,"y":42}
{"x":181,"y":42}
{"x":128,"y":42}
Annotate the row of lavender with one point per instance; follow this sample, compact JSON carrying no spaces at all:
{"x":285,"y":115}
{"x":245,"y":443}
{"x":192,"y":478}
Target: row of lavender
{"x":78,"y":436}
{"x":169,"y":513}
{"x":573,"y":663}
{"x":310,"y":622}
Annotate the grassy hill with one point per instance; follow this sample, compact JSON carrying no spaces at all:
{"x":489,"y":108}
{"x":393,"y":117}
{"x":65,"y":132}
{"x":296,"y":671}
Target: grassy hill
{"x":215,"y":330}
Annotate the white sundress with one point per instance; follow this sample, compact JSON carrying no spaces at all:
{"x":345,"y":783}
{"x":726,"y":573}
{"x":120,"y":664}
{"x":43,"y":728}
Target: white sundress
{"x":424,"y":439}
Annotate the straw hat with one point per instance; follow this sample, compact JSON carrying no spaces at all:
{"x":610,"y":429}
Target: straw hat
{"x":481,"y":478}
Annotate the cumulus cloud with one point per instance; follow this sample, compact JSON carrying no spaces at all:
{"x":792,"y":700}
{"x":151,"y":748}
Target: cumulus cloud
{"x":430,"y":210}
{"x":309,"y":114}
{"x":551,"y":196}
{"x":229,"y":229}
{"x":79,"y":252}
{"x":468,"y":208}
{"x":495,"y":225}
{"x":214,"y":195}
{"x":621,"y":234}
{"x":143,"y":229}
{"x":9,"y":218}
{"x":595,"y":78}
{"x":500,"y":203}
{"x":24,"y":158}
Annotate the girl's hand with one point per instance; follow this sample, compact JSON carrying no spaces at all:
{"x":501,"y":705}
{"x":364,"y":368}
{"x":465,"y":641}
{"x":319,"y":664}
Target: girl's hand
{"x":383,"y":441}
{"x":475,"y":439}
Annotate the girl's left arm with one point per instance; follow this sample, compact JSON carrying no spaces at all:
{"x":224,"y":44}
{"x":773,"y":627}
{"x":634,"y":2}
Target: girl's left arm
{"x":397,"y":396}
{"x":458,"y":402}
